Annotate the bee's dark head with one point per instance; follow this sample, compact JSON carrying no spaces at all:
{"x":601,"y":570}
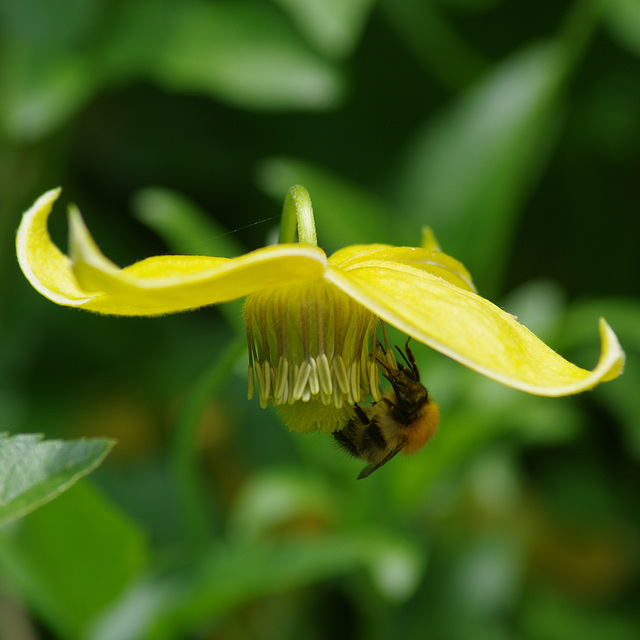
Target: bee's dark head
{"x":410,"y":394}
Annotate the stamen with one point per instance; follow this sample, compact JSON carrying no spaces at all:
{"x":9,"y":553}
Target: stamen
{"x":314,"y":383}
{"x":281,"y":381}
{"x":340,"y":372}
{"x":354,"y":378}
{"x":309,"y":349}
{"x":301,"y":380}
{"x":324,"y":373}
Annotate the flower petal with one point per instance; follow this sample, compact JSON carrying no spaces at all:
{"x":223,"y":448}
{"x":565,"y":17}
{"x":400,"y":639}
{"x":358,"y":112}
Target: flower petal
{"x":472,"y":330}
{"x":158,"y":285}
{"x":431,"y":260}
{"x":44,"y":265}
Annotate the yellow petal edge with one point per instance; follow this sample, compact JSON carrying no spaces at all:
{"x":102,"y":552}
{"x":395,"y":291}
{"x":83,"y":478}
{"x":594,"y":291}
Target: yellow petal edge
{"x":158,"y":285}
{"x":44,"y":265}
{"x":472,"y":330}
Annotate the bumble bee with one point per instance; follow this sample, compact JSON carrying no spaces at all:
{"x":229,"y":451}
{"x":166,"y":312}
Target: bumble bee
{"x":404,"y":419}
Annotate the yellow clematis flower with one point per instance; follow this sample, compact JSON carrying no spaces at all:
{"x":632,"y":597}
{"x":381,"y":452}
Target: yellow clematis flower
{"x":311,"y":319}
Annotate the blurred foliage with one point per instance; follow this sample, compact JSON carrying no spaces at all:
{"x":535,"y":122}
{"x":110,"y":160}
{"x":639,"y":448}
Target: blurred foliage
{"x":511,"y":128}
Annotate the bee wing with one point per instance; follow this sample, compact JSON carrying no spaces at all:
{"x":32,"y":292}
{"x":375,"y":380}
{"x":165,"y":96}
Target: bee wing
{"x":370,"y":468}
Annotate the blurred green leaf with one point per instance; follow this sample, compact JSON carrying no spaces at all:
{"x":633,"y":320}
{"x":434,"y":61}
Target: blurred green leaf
{"x":47,"y":25}
{"x":549,"y":613}
{"x":540,"y":305}
{"x":334,"y":26}
{"x":273,"y":500}
{"x":396,"y":565}
{"x":184,"y":226}
{"x":231,"y":575}
{"x":49,"y":69}
{"x":435,"y":41}
{"x":468,"y":171}
{"x":623,"y":314}
{"x":34,"y":471}
{"x":623,"y":18}
{"x":345,"y":213}
{"x":40,"y":90}
{"x":620,"y":395}
{"x":225,"y":578}
{"x":471,"y":6}
{"x":194,"y":501}
{"x":243,"y":52}
{"x":468,"y":430}
{"x":485,"y":578}
{"x":290,"y":500}
{"x":72,"y":557}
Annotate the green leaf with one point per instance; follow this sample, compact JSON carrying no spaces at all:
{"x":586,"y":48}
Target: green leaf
{"x":551,"y":613}
{"x":184,"y":227}
{"x":232,"y":575}
{"x":334,"y":26}
{"x":435,"y":42}
{"x":72,"y":558}
{"x":245,"y":53}
{"x":227,"y":577}
{"x":624,"y":22}
{"x":42,"y":90}
{"x":48,"y":69}
{"x":280,"y":537}
{"x":34,"y":471}
{"x":49,"y":25}
{"x":618,"y":396}
{"x":469,"y":170}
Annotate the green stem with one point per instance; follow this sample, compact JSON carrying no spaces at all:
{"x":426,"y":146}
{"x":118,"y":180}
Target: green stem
{"x":297,"y":211}
{"x":195,"y":502}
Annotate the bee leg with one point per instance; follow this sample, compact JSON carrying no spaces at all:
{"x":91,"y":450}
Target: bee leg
{"x":396,"y":410}
{"x":348,"y":437}
{"x":373,"y":439}
{"x":407,"y":356}
{"x":362,"y":416}
{"x":346,"y":442}
{"x":411,"y":361}
{"x":390,"y":363}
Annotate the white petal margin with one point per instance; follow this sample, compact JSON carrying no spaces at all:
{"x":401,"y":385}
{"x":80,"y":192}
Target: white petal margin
{"x":44,"y":265}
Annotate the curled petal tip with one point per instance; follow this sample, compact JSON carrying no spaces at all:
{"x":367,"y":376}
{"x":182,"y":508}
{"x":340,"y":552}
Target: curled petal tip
{"x":429,"y":240}
{"x":475,"y":332}
{"x":44,"y":265}
{"x":613,"y":357}
{"x":86,"y":257}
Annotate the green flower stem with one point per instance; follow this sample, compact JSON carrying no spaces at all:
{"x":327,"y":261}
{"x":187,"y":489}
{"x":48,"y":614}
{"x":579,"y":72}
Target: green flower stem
{"x":297,"y":210}
{"x":195,"y":502}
